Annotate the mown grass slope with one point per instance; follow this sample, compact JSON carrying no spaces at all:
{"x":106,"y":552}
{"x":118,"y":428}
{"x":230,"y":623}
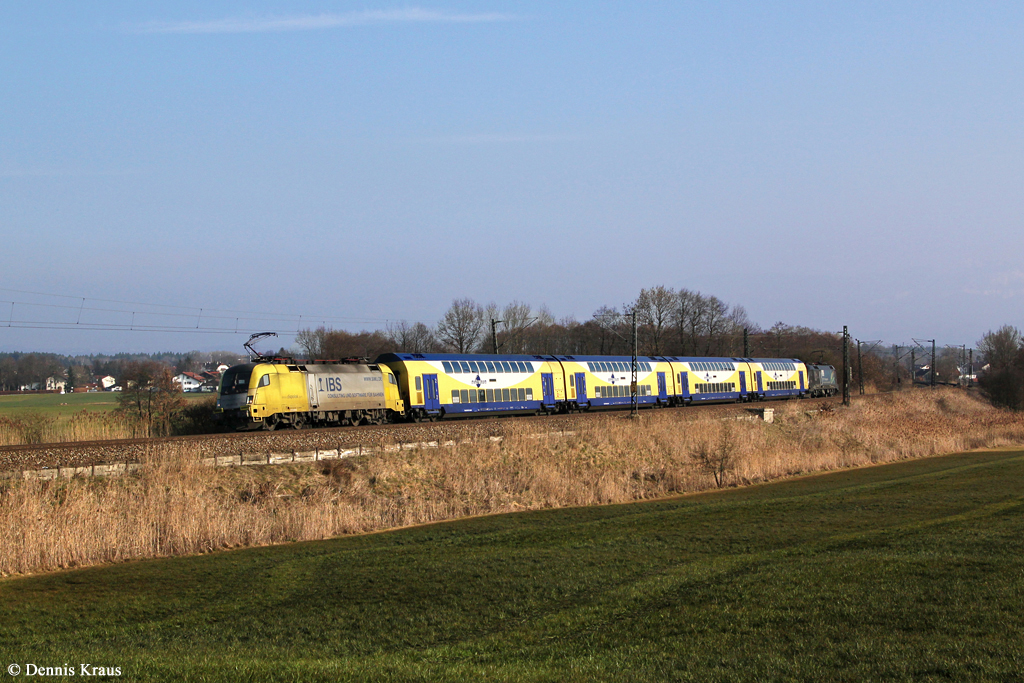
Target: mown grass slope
{"x":912,"y":571}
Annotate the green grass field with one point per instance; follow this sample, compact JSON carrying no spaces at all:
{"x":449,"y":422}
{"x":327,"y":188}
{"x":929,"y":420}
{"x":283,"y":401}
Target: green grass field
{"x":913,"y":572}
{"x":67,"y":404}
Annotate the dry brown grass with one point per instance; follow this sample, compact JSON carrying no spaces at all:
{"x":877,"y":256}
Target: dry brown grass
{"x":33,"y":428}
{"x":175,"y":506}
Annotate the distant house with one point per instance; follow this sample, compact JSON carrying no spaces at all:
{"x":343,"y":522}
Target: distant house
{"x":211,"y":380}
{"x":56,"y":384}
{"x":189,"y":381}
{"x":105,"y":381}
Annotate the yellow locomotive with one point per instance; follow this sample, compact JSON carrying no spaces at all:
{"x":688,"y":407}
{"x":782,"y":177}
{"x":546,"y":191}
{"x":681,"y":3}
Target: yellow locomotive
{"x":281,"y":392}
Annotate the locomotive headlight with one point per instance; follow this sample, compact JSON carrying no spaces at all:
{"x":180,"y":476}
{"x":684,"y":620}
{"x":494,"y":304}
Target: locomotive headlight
{"x":248,"y":401}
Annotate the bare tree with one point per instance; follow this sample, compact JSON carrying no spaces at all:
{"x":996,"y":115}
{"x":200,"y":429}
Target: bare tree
{"x":462,"y":325}
{"x":1000,"y":348}
{"x":717,"y":459}
{"x":1003,"y":379}
{"x":415,"y":338}
{"x":311,"y":342}
{"x":655,"y":309}
{"x":150,"y":398}
{"x":516,"y":318}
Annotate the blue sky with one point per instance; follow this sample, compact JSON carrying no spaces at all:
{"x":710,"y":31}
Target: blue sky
{"x":818,"y":163}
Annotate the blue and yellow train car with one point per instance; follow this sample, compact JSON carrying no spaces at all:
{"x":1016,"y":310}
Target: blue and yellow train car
{"x":434,"y":385}
{"x":736,"y":379}
{"x":780,"y":377}
{"x":438,"y":384}
{"x":709,"y":379}
{"x":606,"y":381}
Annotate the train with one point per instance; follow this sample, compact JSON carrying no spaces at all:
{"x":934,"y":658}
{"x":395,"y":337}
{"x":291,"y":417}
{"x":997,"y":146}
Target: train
{"x":271,"y":393}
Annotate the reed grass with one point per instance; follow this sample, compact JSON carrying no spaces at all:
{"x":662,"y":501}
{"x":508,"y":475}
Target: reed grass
{"x":175,"y":506}
{"x":34,"y":428}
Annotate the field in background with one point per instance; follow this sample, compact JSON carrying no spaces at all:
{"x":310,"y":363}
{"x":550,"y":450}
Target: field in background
{"x":57,"y":404}
{"x":66,"y":405}
{"x":909,"y":571}
{"x":175,"y":506}
{"x":63,"y":418}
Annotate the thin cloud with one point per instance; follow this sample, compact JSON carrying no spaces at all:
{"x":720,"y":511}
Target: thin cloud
{"x":319,"y":21}
{"x":492,"y":139}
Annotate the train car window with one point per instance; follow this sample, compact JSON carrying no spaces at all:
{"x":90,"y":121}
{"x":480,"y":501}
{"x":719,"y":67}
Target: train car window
{"x":605,"y":366}
{"x":464,"y":365}
{"x":490,"y":367}
{"x":529,"y":394}
{"x":447,"y":366}
{"x":419,"y":383}
{"x":455,"y":396}
{"x":490,"y":395}
{"x":515,"y":366}
{"x":505,"y":366}
{"x":522,"y":394}
{"x":464,"y":393}
{"x":522,"y":367}
{"x":473,"y":367}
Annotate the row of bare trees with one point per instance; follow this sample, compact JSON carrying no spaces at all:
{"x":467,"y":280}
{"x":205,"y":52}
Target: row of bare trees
{"x":669,"y":322}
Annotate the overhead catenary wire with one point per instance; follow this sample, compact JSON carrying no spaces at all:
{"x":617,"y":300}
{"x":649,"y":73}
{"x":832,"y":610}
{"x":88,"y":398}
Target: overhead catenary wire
{"x":122,"y":315}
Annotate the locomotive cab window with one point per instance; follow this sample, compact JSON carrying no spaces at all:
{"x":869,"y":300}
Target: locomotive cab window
{"x":264,"y":381}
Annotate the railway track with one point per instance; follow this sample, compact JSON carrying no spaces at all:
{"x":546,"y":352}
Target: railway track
{"x":90,"y":453}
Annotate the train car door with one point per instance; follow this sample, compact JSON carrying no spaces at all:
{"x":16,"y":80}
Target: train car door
{"x":684,"y":382}
{"x":662,"y":390}
{"x":581,"y":388}
{"x":801,"y":380}
{"x":431,"y":397}
{"x":760,"y":387}
{"x":547,"y":383}
{"x":743,"y":384}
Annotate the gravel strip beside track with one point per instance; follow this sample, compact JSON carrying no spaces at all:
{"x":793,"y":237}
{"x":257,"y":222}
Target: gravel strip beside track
{"x":83,"y":453}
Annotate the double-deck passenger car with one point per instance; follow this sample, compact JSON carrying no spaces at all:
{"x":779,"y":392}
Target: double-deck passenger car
{"x":435,"y":385}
